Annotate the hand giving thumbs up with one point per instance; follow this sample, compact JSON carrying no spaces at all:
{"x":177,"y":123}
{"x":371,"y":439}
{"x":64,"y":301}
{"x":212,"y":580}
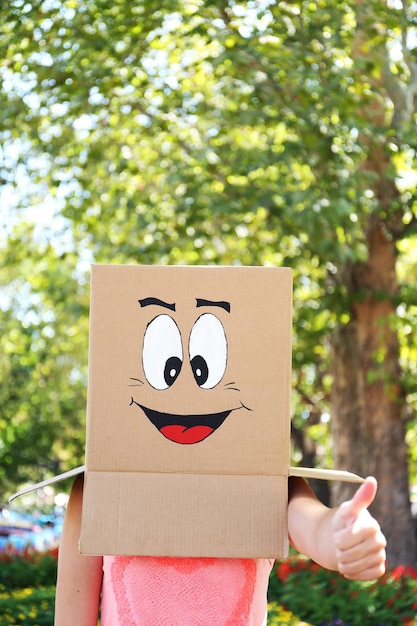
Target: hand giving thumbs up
{"x":360,"y":544}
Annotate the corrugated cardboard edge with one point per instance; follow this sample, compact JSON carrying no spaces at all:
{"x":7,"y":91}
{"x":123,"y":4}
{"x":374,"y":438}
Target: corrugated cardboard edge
{"x":325,"y":474}
{"x":302,"y":472}
{"x":49,"y":481}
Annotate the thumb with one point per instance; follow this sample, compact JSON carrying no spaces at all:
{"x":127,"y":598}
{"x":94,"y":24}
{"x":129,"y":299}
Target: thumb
{"x":363,"y":498}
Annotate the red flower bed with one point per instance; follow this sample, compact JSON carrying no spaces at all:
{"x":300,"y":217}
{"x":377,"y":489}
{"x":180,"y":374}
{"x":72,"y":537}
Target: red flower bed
{"x":325,"y":598}
{"x":27,"y":567}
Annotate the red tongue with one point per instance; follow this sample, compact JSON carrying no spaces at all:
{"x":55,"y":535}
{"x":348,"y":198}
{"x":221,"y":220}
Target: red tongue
{"x":180,"y":434}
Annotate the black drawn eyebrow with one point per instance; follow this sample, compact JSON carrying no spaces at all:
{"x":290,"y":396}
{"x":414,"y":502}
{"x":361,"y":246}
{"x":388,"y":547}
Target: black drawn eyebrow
{"x":157,"y":302}
{"x":222,"y":304}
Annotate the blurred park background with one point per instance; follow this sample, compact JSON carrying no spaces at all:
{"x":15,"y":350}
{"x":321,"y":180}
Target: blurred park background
{"x":216,"y":132}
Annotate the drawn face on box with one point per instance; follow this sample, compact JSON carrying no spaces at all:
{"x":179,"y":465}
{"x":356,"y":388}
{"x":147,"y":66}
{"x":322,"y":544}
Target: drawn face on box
{"x":192,"y":358}
{"x":189,"y":369}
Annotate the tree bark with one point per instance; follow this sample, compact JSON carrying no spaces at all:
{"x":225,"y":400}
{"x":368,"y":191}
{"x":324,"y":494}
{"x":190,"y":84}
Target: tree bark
{"x":368,"y":418}
{"x":369,"y":407}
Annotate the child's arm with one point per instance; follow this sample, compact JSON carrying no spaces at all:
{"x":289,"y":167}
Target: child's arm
{"x":347,"y":538}
{"x":79,"y":577}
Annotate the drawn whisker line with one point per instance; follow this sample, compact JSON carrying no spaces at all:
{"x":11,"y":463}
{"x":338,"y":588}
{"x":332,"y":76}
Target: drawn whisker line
{"x":139,"y":382}
{"x":228,"y":386}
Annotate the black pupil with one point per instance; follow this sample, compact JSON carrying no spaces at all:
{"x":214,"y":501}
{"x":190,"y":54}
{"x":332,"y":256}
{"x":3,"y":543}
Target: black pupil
{"x":200,"y":369}
{"x":172,"y":370}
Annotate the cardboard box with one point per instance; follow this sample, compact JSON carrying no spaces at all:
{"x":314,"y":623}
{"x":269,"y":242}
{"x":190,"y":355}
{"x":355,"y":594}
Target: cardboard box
{"x":194,"y":461}
{"x":188,"y":416}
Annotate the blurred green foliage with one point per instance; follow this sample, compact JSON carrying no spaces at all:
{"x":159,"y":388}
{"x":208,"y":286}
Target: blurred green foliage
{"x":199,"y":132}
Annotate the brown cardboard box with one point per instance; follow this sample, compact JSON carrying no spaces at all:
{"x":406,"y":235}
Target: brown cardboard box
{"x":188,"y":417}
{"x":197,"y":467}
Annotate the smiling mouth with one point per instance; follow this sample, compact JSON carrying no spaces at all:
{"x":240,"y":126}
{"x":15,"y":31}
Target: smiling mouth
{"x":184,"y":429}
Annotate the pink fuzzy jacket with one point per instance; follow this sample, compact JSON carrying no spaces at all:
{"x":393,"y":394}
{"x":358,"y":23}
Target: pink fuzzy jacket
{"x":149,"y":591}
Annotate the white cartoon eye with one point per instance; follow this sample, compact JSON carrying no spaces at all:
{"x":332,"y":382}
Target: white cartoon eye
{"x":208,"y":351}
{"x":162,"y":355}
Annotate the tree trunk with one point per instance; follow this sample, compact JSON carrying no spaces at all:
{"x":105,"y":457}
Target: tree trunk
{"x":368,"y":405}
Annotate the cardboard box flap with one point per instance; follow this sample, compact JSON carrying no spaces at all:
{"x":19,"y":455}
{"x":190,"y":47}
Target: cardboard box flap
{"x":325,"y":474}
{"x":49,"y":481}
{"x":186,"y":515}
{"x":303,"y":472}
